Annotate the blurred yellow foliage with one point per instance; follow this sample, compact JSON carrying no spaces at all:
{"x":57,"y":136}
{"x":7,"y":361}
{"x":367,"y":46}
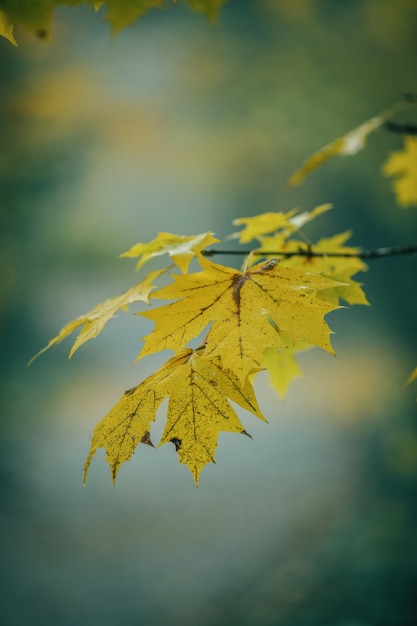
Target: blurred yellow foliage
{"x":6,"y":29}
{"x":36,"y":17}
{"x":402,"y":165}
{"x":351,"y":143}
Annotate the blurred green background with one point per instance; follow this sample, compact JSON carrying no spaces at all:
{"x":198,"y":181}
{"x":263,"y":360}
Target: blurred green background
{"x":182,"y":126}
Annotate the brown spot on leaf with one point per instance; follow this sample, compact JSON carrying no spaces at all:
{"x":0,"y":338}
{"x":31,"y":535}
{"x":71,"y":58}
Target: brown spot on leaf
{"x":177,"y":443}
{"x":147,"y":439}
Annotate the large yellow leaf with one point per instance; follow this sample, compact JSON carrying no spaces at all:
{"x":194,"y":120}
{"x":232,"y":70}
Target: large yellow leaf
{"x":95,"y":320}
{"x":180,"y":248}
{"x":247,"y":310}
{"x":198,"y":410}
{"x":402,"y":165}
{"x":349,"y":144}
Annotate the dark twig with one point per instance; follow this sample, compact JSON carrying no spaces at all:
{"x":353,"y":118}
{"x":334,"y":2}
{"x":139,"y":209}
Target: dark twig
{"x":404,"y":129}
{"x":309,"y":252}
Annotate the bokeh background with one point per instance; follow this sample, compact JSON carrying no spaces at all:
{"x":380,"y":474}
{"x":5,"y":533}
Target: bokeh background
{"x":180,"y":125}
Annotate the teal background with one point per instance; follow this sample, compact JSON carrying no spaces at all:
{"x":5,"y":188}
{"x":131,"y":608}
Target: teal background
{"x":179,"y":125}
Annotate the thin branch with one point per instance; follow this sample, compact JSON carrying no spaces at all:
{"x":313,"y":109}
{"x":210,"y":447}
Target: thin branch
{"x":404,"y":129}
{"x":309,"y":252}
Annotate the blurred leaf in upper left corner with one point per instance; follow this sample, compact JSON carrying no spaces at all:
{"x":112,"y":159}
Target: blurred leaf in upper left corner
{"x":36,"y":16}
{"x":6,"y":28}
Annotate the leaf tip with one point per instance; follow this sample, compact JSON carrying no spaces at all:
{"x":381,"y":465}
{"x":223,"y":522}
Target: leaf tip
{"x":6,"y":29}
{"x":35,"y":356}
{"x":146,"y":439}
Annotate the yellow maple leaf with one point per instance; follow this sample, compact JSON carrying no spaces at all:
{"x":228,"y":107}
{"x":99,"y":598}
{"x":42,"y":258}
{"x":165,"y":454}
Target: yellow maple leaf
{"x":198,"y":410}
{"x":179,"y":247}
{"x":284,"y":223}
{"x":403,"y":166}
{"x":94,"y":320}
{"x":246,"y":310}
{"x":339,"y":269}
{"x":260,"y":225}
{"x":282,"y":366}
{"x":6,"y":28}
{"x":348,"y":144}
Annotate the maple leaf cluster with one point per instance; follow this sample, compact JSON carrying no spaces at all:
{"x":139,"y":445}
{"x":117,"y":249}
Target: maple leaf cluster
{"x":254,"y":319}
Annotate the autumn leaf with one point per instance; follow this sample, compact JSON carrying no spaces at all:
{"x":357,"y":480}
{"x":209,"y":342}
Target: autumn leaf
{"x":128,"y":423}
{"x":198,"y":410}
{"x":261,"y":225}
{"x":6,"y":28}
{"x":284,"y":223}
{"x":282,"y":366}
{"x":95,"y":320}
{"x":246,"y":310}
{"x":349,"y":144}
{"x":338,"y":268}
{"x":402,"y":165}
{"x":179,"y":247}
